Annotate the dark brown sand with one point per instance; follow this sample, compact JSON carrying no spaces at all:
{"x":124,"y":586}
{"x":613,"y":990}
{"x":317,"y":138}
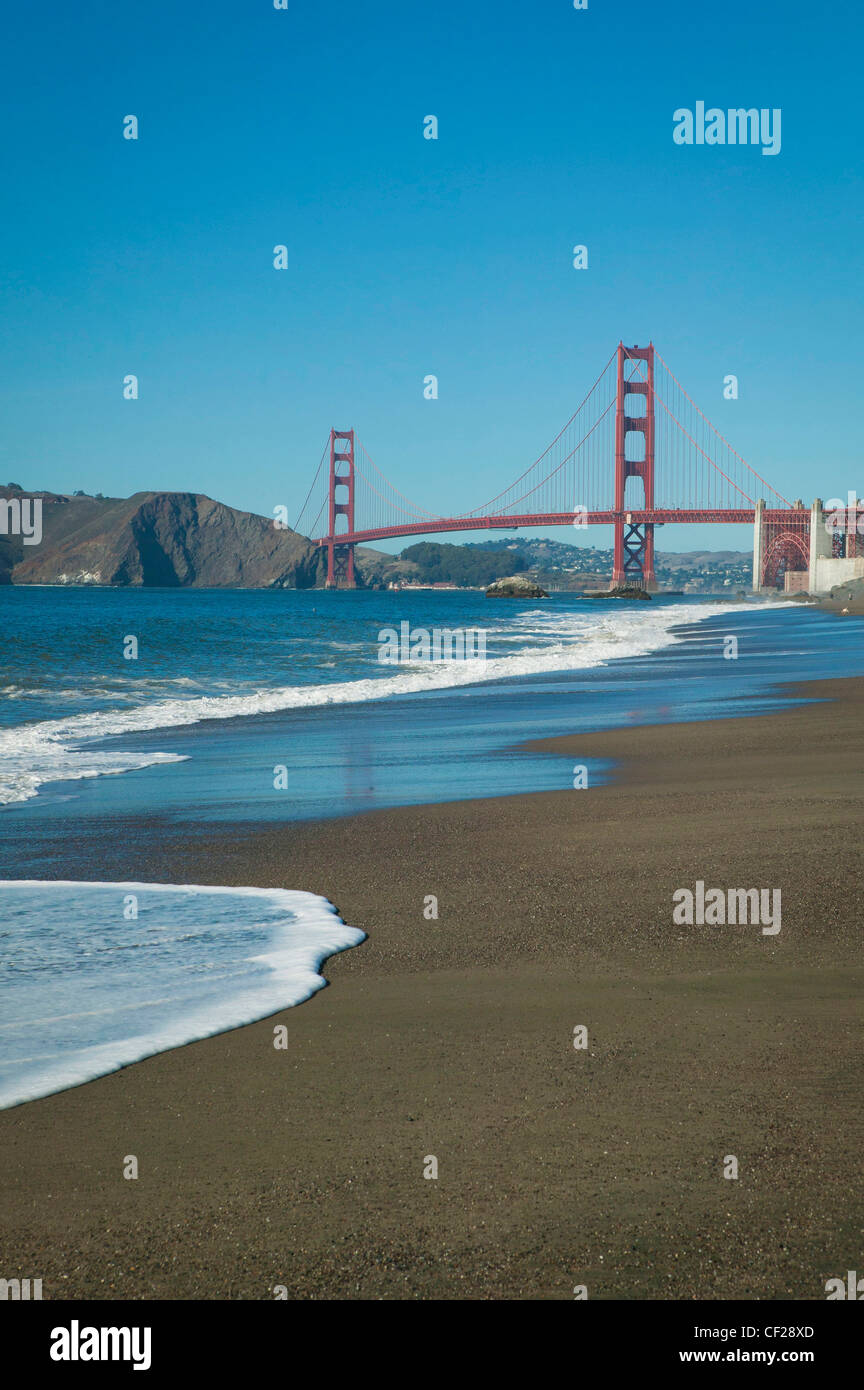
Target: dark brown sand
{"x":453,"y":1038}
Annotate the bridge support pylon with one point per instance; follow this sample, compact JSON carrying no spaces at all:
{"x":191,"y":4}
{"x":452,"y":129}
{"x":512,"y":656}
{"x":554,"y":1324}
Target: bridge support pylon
{"x":634,"y":541}
{"x":340,"y":557}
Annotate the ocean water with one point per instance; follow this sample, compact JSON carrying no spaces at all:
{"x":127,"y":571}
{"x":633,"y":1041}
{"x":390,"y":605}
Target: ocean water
{"x":246,"y":707}
{"x":273,"y":705}
{"x":68,"y":691}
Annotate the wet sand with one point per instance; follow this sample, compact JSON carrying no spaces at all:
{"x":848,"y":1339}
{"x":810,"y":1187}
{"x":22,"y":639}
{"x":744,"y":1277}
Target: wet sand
{"x":453,"y":1038}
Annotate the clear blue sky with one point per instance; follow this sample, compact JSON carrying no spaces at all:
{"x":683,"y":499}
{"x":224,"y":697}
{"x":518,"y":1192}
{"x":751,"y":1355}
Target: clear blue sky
{"x":407,"y":256}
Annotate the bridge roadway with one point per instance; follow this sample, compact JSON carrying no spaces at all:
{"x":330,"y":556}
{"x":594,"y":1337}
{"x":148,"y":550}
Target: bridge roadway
{"x":657,"y":517}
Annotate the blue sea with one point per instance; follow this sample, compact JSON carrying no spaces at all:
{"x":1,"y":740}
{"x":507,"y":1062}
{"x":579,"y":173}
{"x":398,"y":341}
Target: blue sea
{"x":123,"y":707}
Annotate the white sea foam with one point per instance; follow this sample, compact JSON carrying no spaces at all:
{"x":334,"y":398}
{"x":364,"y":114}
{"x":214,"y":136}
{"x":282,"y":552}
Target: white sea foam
{"x":62,"y":749}
{"x":86,"y":991}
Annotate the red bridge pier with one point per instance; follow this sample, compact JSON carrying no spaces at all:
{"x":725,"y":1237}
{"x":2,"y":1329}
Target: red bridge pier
{"x":633,"y":561}
{"x":340,"y":558}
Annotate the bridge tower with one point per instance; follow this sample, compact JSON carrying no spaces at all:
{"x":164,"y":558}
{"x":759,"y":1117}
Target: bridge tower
{"x":340,"y":558}
{"x":634,"y":541}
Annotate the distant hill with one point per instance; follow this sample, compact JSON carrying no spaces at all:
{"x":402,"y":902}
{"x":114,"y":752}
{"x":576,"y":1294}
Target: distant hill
{"x":538,"y":550}
{"x":469,"y":566}
{"x":566,"y":566}
{"x":158,"y":538}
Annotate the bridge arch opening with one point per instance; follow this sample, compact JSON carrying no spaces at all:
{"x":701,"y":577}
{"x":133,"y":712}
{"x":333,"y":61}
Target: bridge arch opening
{"x":789,"y":550}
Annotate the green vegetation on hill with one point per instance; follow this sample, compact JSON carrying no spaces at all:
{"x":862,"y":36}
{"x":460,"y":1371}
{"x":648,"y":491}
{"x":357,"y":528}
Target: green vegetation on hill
{"x":462,"y":564}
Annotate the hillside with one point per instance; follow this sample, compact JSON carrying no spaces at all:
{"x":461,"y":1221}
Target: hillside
{"x":172,"y":539}
{"x":570,"y":566}
{"x":468,"y":566}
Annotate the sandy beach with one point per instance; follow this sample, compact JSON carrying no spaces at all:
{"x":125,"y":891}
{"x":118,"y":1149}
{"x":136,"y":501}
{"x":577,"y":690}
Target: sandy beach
{"x":304,"y":1168}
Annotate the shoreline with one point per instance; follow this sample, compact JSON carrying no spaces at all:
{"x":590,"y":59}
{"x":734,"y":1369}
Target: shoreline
{"x":453,"y":1038}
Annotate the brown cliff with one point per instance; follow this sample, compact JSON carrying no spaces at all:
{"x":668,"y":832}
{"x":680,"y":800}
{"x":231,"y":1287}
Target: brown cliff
{"x":171,"y":539}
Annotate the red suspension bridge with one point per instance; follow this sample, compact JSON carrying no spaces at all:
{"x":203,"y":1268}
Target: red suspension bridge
{"x":637,"y":453}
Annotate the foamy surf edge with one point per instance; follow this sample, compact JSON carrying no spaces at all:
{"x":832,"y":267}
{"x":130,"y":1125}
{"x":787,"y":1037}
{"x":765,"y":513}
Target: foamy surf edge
{"x":294,"y":976}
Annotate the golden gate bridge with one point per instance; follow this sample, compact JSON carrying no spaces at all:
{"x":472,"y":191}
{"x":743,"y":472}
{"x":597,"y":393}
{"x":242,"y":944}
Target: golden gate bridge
{"x":637,"y":453}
